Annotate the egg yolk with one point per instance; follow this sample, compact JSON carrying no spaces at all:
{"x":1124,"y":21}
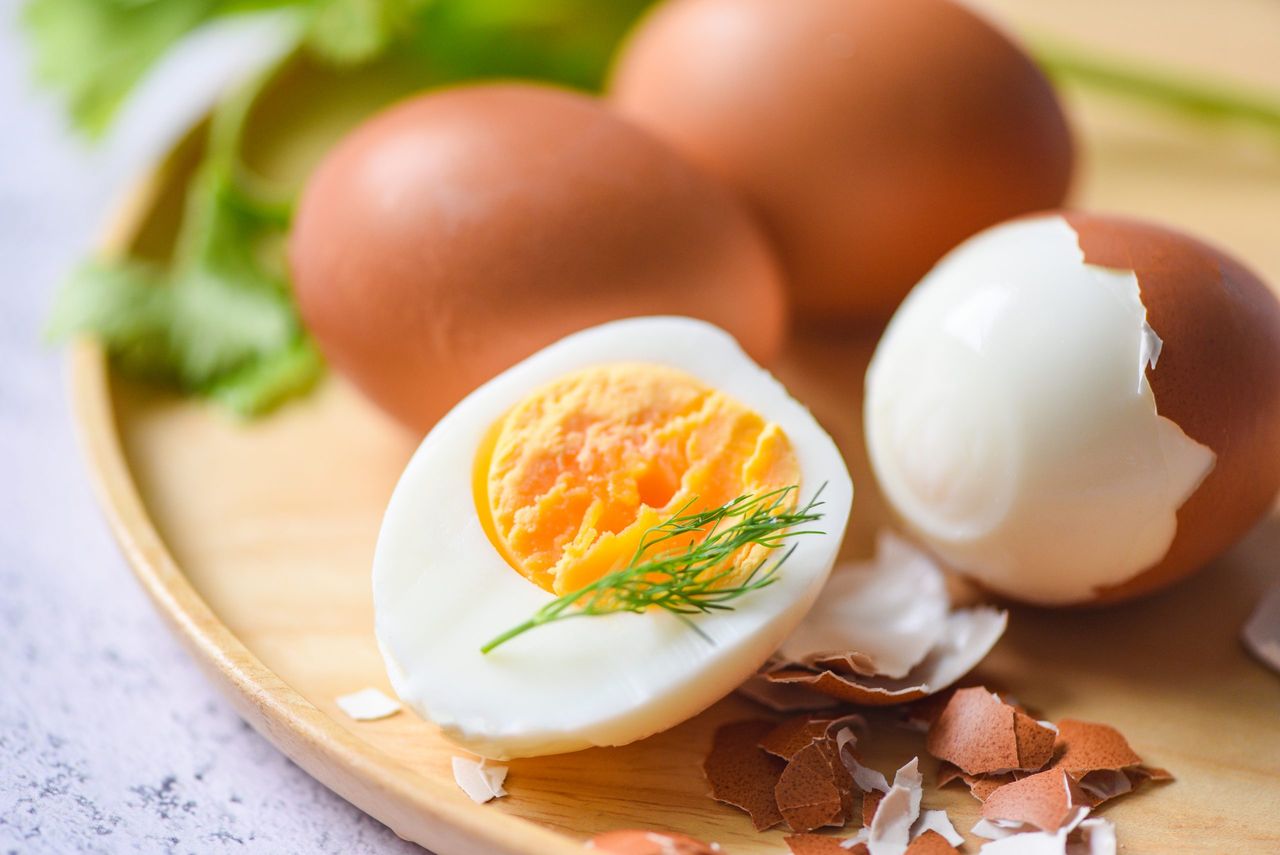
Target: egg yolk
{"x":569,"y":480}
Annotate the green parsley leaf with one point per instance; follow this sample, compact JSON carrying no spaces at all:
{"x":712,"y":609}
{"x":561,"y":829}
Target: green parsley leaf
{"x":219,"y":320}
{"x":95,"y":51}
{"x":355,"y":31}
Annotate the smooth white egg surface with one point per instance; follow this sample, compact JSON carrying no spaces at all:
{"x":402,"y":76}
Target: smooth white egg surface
{"x":443,"y":587}
{"x":1011,"y":425}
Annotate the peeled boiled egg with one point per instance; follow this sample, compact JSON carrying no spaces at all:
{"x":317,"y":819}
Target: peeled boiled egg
{"x":1074,"y":408}
{"x":868,"y":136}
{"x":545,"y":479}
{"x":459,"y":231}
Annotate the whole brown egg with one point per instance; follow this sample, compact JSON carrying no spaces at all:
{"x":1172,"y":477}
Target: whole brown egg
{"x":458,"y":232}
{"x":868,"y":136}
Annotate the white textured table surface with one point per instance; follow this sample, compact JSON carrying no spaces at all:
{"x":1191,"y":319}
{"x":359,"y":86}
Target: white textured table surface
{"x":110,"y":739}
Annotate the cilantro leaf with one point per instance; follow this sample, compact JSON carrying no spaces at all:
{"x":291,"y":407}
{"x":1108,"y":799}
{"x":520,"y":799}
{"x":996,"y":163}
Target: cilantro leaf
{"x":95,"y":51}
{"x":219,"y":319}
{"x":356,"y":31}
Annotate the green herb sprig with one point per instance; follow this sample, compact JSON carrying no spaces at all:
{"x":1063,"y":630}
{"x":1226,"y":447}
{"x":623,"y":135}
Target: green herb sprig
{"x":696,"y":578}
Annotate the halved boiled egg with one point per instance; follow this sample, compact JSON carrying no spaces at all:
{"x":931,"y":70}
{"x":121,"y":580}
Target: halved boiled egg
{"x":554,"y":475}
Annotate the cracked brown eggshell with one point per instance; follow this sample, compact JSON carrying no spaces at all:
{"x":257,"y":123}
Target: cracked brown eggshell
{"x":460,"y":231}
{"x":1218,"y":378}
{"x":868,"y":136}
{"x":742,"y":774}
{"x":981,"y":734}
{"x":1047,"y":800}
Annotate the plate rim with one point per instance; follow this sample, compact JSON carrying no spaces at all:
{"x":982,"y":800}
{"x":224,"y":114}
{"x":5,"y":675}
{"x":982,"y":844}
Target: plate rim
{"x":425,"y":811}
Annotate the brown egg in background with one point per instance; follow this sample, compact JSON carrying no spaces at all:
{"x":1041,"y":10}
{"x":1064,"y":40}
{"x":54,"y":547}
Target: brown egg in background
{"x":1217,"y":378}
{"x":868,"y":136}
{"x":460,"y":231}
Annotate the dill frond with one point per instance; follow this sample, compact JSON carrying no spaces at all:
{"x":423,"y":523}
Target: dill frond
{"x":697,"y":577}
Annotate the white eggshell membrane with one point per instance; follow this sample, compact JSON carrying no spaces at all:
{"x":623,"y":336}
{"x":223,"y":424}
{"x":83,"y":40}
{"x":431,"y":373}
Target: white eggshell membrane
{"x":892,"y":610}
{"x":441,"y":589}
{"x":1010,"y":423}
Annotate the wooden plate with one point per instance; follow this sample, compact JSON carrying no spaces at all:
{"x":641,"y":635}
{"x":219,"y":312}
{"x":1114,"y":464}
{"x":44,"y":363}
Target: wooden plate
{"x":254,"y":540}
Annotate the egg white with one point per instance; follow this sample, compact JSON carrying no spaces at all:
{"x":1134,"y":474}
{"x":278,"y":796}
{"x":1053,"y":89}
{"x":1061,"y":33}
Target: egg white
{"x":441,"y":589}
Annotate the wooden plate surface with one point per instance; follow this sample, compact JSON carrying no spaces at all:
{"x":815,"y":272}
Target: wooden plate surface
{"x":255,"y":539}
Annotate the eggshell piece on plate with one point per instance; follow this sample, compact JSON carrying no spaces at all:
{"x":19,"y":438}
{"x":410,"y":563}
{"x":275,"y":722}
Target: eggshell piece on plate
{"x":459,"y":231}
{"x":808,"y":792}
{"x":969,"y":634}
{"x":869,"y":137}
{"x":816,"y":844}
{"x":369,"y":704}
{"x":890,"y":829}
{"x":782,"y":698}
{"x":931,"y":843}
{"x":876,"y":618}
{"x":481,"y":781}
{"x":980,"y":786}
{"x":744,"y":775}
{"x":981,"y":734}
{"x":1101,"y":760}
{"x":1047,"y":800}
{"x":1084,"y":747}
{"x":937,"y":822}
{"x":793,"y":734}
{"x":1095,"y":836}
{"x":883,"y":632}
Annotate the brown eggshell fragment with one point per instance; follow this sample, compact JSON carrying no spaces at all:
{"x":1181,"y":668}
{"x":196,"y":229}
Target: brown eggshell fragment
{"x":1084,"y":747}
{"x":1217,"y":378}
{"x":870,"y":803}
{"x":1153,"y":773}
{"x":460,"y":231}
{"x":784,"y":698}
{"x":1046,"y":800}
{"x":743,"y":775}
{"x":869,"y":137}
{"x":931,"y":843}
{"x":842,"y":778}
{"x":1035,"y":741}
{"x":980,"y":786}
{"x":846,"y":688}
{"x":1101,"y":760}
{"x":807,"y":792}
{"x":981,"y":734}
{"x":793,"y":734}
{"x":635,"y":841}
{"x":815,"y":844}
{"x":969,"y":636}
{"x":949,"y":773}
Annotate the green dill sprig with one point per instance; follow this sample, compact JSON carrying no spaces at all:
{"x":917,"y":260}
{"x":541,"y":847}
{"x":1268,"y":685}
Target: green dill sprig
{"x":690,"y":579}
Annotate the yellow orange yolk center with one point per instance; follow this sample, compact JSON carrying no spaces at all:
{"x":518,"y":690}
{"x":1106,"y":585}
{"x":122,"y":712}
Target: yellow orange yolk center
{"x":569,"y":481}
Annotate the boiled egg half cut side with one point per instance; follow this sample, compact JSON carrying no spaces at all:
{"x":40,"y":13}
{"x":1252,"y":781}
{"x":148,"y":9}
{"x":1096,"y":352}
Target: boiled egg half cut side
{"x":549,"y":478}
